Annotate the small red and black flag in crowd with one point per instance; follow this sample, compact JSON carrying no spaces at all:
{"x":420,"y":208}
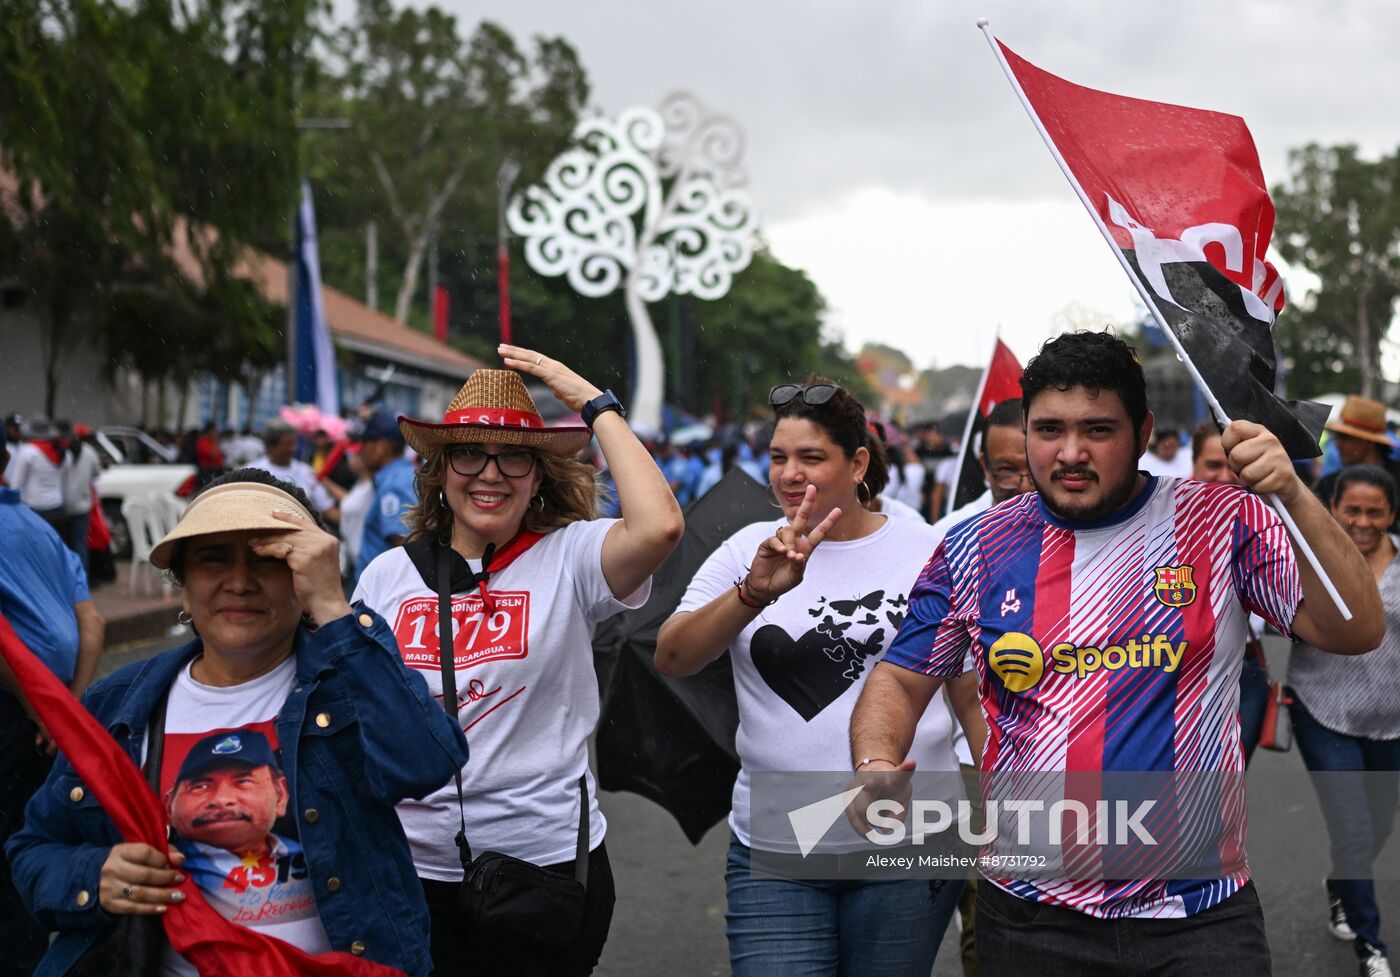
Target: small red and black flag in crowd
{"x":1181,"y":193}
{"x":1001,"y":381}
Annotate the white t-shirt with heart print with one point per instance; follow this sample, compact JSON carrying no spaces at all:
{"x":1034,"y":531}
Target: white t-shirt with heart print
{"x":800,"y":665}
{"x":527,"y":696}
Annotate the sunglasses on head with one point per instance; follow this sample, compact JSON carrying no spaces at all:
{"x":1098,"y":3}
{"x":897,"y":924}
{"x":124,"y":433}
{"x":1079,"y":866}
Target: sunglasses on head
{"x":813,"y":396}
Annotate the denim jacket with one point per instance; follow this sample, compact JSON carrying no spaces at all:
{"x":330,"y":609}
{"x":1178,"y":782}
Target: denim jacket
{"x":359,"y":732}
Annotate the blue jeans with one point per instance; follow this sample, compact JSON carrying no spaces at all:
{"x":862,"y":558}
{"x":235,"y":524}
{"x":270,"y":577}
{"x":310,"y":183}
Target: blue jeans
{"x":847,"y":928}
{"x":1359,"y":812}
{"x":77,"y":538}
{"x":1254,"y":697}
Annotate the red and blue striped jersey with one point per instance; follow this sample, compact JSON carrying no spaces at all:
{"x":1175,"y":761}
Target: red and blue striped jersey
{"x":1110,"y":646}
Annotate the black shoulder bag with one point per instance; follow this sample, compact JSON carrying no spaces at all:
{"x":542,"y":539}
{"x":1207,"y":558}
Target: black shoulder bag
{"x":504,"y":896}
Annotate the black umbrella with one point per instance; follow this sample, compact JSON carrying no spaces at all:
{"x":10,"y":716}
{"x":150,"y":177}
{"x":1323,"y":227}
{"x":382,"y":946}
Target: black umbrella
{"x":672,"y":740}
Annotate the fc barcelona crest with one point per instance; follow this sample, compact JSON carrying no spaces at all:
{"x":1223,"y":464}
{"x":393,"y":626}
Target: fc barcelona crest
{"x":1174,"y":586}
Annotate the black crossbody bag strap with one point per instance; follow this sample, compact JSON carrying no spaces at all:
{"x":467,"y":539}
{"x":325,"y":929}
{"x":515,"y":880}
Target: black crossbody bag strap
{"x":581,"y":854}
{"x":447,"y":658}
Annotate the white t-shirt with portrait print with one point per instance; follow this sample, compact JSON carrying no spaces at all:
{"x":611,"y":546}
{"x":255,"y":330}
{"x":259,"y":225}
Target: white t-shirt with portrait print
{"x":527,"y":696}
{"x":271,"y":893}
{"x":800,"y":665}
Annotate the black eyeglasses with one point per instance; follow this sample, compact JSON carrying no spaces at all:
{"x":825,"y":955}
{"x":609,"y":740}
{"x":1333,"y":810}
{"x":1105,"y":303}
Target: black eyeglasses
{"x":471,"y":460}
{"x":1010,"y":478}
{"x":814,"y":396}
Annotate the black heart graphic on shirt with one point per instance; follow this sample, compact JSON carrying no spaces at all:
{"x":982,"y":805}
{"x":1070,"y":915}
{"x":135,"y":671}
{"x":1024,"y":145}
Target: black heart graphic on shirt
{"x":812,"y":672}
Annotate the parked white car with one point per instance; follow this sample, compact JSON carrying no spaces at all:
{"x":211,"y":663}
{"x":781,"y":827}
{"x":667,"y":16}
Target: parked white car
{"x":121,"y":479}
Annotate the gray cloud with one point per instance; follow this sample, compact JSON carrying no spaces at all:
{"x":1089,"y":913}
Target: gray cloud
{"x":905,"y":94}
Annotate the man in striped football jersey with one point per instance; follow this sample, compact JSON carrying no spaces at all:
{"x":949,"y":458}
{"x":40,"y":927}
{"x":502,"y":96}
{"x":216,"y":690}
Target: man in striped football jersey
{"x":1106,"y":613}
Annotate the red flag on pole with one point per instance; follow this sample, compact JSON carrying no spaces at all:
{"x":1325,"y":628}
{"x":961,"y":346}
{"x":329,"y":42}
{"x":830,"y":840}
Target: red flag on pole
{"x":1179,"y":194}
{"x":196,"y":930}
{"x":503,"y":277}
{"x":1000,"y":381}
{"x":442,"y":304}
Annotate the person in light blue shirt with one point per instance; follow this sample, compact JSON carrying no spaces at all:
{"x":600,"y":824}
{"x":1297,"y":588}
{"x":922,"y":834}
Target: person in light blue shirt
{"x":386,"y":524}
{"x":44,"y":595}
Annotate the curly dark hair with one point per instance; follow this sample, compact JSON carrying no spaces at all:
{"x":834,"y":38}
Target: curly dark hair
{"x":177,"y":558}
{"x":1092,"y":360}
{"x":1365,"y":475}
{"x":843,"y":420}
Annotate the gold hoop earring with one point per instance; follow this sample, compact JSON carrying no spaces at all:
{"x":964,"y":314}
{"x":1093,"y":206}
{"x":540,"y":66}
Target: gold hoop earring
{"x":865,"y":502}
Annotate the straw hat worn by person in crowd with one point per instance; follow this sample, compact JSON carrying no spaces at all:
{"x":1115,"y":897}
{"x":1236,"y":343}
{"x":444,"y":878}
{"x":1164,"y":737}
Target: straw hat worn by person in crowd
{"x":317,"y":729}
{"x":1362,"y":438}
{"x":501,"y":489}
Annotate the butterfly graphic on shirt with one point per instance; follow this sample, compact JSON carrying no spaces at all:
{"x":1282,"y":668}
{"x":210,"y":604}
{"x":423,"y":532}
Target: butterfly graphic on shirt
{"x":812,"y":671}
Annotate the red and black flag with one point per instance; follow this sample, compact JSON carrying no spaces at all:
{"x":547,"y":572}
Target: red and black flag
{"x":1001,"y":381}
{"x":1180,"y":194}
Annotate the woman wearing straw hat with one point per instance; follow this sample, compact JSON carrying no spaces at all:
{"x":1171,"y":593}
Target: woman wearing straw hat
{"x":267,"y":739}
{"x":511,"y":515}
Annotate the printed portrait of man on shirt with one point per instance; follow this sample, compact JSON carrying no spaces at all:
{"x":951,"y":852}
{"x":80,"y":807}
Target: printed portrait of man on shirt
{"x":227,"y":798}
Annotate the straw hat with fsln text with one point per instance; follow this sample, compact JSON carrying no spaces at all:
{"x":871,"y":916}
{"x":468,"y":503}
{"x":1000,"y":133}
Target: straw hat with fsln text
{"x":1362,"y":418}
{"x":493,"y":407}
{"x":230,"y":508}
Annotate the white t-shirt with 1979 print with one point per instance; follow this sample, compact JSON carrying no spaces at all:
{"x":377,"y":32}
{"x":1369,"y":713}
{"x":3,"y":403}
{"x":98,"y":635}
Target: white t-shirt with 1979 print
{"x":527,"y":695}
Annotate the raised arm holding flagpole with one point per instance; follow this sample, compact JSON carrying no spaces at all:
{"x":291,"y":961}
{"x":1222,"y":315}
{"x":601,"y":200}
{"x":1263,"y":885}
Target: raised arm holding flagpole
{"x":1195,"y":235}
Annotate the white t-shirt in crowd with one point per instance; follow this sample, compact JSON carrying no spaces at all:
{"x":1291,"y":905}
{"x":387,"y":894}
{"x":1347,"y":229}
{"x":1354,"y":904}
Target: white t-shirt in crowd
{"x":302,"y":475}
{"x":269,"y":891}
{"x":977,"y":506}
{"x":77,"y":483}
{"x":907,"y":483}
{"x":1179,"y":467}
{"x":38,"y":480}
{"x":354,"y":509}
{"x":896,"y":509}
{"x":800,"y":664}
{"x":527,"y":696}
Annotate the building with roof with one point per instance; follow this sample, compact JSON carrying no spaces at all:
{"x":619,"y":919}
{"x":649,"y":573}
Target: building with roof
{"x":405,"y":370}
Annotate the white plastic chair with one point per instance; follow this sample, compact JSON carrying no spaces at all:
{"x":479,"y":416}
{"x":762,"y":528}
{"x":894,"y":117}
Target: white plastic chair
{"x":145,"y":523}
{"x":169,"y":509}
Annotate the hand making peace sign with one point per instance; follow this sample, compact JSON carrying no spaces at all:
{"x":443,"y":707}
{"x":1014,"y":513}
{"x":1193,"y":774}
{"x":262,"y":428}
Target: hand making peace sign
{"x":782,"y":558}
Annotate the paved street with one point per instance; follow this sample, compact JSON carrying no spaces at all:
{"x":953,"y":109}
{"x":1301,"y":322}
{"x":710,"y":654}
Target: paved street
{"x":670,"y":908}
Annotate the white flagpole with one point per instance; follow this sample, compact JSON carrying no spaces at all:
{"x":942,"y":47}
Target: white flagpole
{"x":971,"y":418}
{"x":1221,"y":417}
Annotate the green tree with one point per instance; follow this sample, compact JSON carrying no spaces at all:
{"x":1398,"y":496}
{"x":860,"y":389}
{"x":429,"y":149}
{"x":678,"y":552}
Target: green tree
{"x":433,"y":116}
{"x":149,"y":144}
{"x":1339,"y":217}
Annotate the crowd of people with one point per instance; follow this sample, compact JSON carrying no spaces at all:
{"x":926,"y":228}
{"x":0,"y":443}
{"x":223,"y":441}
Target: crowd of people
{"x":337,"y":779}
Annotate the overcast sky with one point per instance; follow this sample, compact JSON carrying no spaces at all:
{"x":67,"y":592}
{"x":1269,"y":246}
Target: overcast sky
{"x":889,"y":158}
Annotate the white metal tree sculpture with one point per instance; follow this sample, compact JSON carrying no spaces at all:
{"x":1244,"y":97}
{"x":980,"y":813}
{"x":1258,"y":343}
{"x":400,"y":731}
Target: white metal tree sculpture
{"x":651,"y":201}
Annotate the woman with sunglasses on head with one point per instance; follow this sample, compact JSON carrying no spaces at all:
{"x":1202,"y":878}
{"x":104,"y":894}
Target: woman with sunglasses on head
{"x":806,"y":606}
{"x":532,"y":571}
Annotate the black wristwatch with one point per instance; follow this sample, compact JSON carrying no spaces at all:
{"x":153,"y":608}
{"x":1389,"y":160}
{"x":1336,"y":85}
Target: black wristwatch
{"x":601,"y":404}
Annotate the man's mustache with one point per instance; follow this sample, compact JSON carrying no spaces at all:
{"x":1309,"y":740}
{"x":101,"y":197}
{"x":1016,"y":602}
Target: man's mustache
{"x":1060,"y":473}
{"x":219,"y":817}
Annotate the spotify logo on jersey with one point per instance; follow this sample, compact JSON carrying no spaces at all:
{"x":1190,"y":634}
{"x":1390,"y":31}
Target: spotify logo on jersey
{"x":1017,"y":660}
{"x":1020,"y":664}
